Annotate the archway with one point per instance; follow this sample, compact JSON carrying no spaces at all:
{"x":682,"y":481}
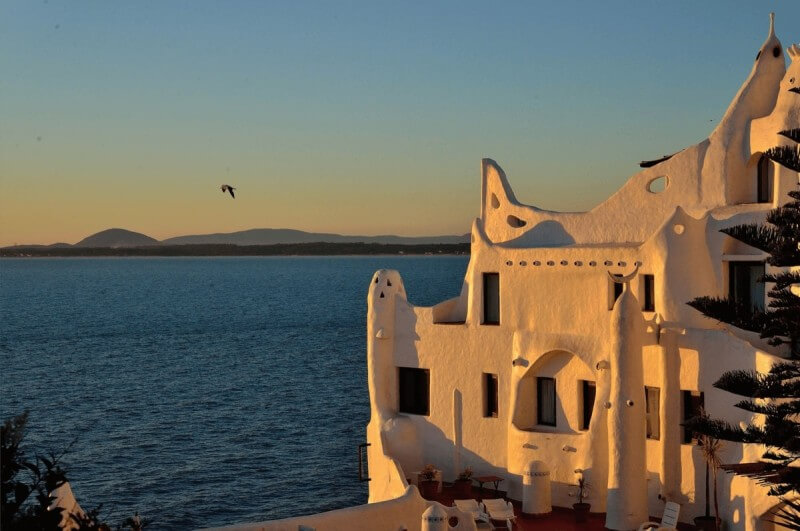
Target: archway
{"x":554,"y":394}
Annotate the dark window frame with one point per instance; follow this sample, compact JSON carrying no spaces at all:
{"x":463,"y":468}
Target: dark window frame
{"x":490,"y":395}
{"x":539,"y":401}
{"x":763,"y":183}
{"x":616,"y":291}
{"x":414,"y":391}
{"x":649,"y":295}
{"x":657,"y":412}
{"x":486,"y":306}
{"x":588,"y":387}
{"x":733,"y":282}
{"x":692,"y":403}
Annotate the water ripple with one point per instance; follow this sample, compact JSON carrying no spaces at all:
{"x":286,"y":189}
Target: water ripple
{"x":193,"y":401}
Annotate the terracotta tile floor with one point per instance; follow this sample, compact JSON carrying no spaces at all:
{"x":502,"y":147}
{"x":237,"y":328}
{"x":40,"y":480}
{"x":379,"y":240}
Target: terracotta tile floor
{"x":561,"y":519}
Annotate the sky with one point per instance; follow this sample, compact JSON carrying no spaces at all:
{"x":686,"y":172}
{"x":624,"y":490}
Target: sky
{"x":352,"y":117}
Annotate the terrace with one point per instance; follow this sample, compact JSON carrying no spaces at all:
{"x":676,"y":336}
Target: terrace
{"x":562,"y":519}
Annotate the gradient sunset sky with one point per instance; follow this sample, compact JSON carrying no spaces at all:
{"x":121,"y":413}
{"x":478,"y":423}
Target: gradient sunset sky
{"x":353,"y":117}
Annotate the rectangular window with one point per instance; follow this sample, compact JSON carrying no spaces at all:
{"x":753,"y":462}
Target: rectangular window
{"x":491,"y":298}
{"x":763,"y":180}
{"x":414,"y":390}
{"x":615,"y":291}
{"x":652,"y":399}
{"x":693,"y":403}
{"x":546,"y":401}
{"x":743,"y":285}
{"x":588,"y":392}
{"x":489,"y":395}
{"x":648,"y":285}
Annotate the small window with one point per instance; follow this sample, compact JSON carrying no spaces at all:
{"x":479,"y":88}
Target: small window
{"x":546,"y":401}
{"x":743,"y":283}
{"x":648,"y":286}
{"x":693,"y":403}
{"x":763,"y":180}
{"x":414,"y":390}
{"x":489,"y":395}
{"x":588,"y":393}
{"x":652,"y":399}
{"x":616,"y":291}
{"x":491,"y":298}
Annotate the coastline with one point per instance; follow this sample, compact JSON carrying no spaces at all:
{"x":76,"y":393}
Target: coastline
{"x":202,"y":250}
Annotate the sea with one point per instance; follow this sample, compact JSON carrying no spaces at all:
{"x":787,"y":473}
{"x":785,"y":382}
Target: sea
{"x":199,"y":392}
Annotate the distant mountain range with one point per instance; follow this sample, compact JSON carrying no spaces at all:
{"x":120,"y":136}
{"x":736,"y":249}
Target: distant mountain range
{"x":120,"y":238}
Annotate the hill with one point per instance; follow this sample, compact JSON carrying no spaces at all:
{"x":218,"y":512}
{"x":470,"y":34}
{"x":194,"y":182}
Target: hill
{"x":114,"y":238}
{"x":291,"y":236}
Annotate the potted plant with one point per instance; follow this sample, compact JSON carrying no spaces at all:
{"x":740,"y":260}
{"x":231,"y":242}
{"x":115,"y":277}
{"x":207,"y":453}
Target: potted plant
{"x":581,"y":508}
{"x":710,"y":449}
{"x":463,"y":485}
{"x":428,"y":486}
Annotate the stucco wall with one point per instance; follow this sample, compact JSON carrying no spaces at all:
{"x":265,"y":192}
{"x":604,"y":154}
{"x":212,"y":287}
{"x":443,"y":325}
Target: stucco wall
{"x":558,"y":318}
{"x":403,"y":512}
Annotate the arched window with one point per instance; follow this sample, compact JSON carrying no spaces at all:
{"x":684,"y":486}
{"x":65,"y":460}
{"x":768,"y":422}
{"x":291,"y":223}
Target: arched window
{"x":763,"y":180}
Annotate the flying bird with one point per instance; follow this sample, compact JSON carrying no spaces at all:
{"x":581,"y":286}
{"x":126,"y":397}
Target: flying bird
{"x":228,"y":188}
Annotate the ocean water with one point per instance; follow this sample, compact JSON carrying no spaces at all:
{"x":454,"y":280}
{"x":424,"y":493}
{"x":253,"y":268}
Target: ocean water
{"x":200,"y":391}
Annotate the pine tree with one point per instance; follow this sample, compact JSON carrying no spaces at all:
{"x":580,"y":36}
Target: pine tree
{"x":776,"y":394}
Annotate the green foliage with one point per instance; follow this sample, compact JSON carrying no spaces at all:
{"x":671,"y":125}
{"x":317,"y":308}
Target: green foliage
{"x":791,"y":134}
{"x":728,"y":311}
{"x":27,"y":483}
{"x":775,"y":394}
{"x":780,"y":322}
{"x":785,"y":156}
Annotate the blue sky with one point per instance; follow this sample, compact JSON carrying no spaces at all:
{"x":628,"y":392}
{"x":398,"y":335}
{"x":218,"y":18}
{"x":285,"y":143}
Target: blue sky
{"x":352,"y":117}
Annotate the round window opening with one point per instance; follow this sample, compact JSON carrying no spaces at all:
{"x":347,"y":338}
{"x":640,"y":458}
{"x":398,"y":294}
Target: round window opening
{"x":658,"y":184}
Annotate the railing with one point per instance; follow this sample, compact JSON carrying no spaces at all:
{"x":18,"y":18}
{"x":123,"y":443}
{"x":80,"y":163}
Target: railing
{"x":362,"y":475}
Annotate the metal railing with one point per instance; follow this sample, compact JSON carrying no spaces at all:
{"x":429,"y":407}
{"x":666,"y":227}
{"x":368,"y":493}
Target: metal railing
{"x":362,"y":474}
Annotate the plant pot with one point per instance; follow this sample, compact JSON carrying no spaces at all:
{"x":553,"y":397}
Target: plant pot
{"x":705,"y":523}
{"x":462,"y":488}
{"x":581,"y":511}
{"x":428,"y":488}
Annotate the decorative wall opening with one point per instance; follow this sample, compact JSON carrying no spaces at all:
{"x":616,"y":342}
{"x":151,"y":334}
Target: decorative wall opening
{"x":516,"y":222}
{"x":658,"y":184}
{"x":550,"y":395}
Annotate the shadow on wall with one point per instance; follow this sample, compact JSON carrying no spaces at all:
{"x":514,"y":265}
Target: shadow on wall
{"x":716,"y":401}
{"x":545,"y":234}
{"x":413,"y":440}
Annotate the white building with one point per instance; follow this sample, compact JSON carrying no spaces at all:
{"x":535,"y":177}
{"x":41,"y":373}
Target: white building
{"x":544,"y":358}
